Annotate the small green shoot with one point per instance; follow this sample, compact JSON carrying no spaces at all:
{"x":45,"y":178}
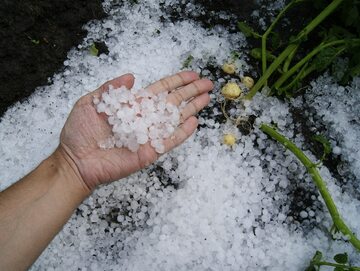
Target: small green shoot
{"x":325,"y":144}
{"x":341,"y":263}
{"x":187,"y":62}
{"x":34,"y":41}
{"x":235,"y":55}
{"x":93,"y":50}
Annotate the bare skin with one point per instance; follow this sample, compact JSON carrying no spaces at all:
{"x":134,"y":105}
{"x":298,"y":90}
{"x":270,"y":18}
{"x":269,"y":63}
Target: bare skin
{"x":33,"y":210}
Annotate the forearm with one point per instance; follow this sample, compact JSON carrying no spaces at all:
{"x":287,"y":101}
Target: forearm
{"x":33,"y":210}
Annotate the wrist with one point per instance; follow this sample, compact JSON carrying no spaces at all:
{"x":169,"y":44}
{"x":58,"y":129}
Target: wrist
{"x":69,"y":172}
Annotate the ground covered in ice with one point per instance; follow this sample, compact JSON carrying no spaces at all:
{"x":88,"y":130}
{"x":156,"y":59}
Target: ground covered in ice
{"x":203,"y":206}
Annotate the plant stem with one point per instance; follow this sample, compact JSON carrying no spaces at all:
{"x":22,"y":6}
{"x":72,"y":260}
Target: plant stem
{"x":273,"y":67}
{"x":319,"y":182}
{"x":289,"y":59}
{"x":298,"y":78}
{"x":305,"y":71}
{"x":268,"y":31}
{"x":338,"y":265}
{"x":288,"y":50}
{"x":314,"y":52}
{"x":318,"y":19}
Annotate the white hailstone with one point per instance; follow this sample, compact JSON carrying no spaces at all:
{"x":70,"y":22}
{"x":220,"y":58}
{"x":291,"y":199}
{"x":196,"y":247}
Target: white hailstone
{"x":136,"y":117}
{"x":336,"y":150}
{"x":304,"y":214}
{"x":142,"y":138}
{"x":96,"y":100}
{"x":311,"y":213}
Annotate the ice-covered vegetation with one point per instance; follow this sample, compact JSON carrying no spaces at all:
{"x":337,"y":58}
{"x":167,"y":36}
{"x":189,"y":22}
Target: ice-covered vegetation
{"x":207,"y":205}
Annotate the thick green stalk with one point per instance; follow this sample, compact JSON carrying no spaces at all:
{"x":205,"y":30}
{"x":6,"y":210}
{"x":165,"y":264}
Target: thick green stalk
{"x":319,"y":182}
{"x":318,"y":19}
{"x":288,"y":50}
{"x":268,"y":31}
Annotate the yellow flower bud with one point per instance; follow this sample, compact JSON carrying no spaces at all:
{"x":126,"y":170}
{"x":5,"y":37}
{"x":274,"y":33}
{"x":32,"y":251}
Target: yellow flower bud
{"x":229,"y":139}
{"x":229,"y":68}
{"x":231,"y":90}
{"x":248,"y":81}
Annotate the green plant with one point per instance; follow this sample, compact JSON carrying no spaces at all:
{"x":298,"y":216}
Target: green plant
{"x":287,"y":69}
{"x":325,"y":144}
{"x":311,"y":167}
{"x":93,"y":50}
{"x":334,"y":42}
{"x":34,"y":41}
{"x":187,"y":62}
{"x":341,"y":263}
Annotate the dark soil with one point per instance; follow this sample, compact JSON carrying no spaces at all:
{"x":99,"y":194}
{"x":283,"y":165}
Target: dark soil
{"x":35,"y":37}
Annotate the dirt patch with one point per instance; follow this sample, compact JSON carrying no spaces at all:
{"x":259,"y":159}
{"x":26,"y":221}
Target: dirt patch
{"x":35,"y":37}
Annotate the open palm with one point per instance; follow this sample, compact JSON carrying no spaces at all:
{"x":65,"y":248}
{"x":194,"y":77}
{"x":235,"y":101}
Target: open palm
{"x":85,"y":128}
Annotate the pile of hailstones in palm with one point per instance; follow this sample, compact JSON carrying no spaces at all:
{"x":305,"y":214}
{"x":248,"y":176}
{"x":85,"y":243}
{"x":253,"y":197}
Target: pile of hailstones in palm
{"x":137,"y":117}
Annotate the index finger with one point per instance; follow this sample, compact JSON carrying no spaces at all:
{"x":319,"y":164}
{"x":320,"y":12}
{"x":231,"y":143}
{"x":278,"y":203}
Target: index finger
{"x":172,"y":82}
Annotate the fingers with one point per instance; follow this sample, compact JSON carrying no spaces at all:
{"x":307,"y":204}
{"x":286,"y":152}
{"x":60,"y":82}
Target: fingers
{"x":193,"y":107}
{"x":194,"y":89}
{"x":183,"y":132}
{"x":172,"y":82}
{"x":126,"y":80}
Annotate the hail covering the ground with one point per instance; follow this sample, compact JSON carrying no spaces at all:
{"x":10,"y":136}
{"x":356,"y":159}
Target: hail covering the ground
{"x":203,"y":206}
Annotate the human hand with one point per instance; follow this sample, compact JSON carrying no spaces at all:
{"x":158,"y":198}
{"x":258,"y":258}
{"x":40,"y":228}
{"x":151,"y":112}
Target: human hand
{"x":84,"y":128}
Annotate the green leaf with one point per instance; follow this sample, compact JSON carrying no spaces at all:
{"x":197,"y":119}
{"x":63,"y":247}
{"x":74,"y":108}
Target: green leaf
{"x":235,"y":55}
{"x":34,"y":41}
{"x":247,"y":30}
{"x":325,"y":143}
{"x":341,"y":258}
{"x":355,"y":71}
{"x":93,"y":50}
{"x":325,"y":57}
{"x":275,"y":40}
{"x":339,"y":269}
{"x":256,"y":53}
{"x":337,"y":32}
{"x":187,"y":62}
